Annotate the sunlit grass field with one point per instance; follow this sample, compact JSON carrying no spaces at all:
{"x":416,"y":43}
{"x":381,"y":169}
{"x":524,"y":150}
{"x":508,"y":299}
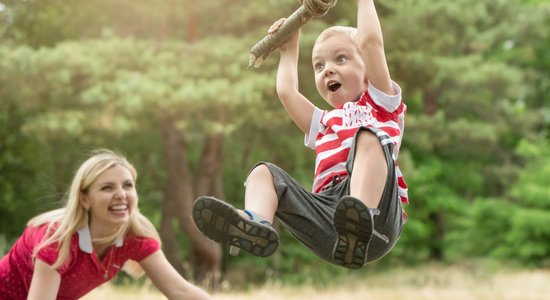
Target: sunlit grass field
{"x":426,"y":283}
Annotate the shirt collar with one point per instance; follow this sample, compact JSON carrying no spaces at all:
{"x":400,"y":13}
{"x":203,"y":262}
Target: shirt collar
{"x":85,"y":240}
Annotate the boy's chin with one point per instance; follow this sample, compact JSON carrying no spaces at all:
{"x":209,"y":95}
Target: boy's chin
{"x":336,"y":103}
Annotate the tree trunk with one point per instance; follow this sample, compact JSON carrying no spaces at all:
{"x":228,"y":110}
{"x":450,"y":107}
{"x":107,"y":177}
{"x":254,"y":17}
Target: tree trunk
{"x":180,"y":194}
{"x":174,"y":154}
{"x":182,"y":188}
{"x":436,"y":245}
{"x":430,"y":97}
{"x":207,"y":255}
{"x":193,"y":23}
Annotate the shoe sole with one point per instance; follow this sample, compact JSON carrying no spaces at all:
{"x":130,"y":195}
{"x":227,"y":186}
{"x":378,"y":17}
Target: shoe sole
{"x":221,"y":222}
{"x":354,"y":227}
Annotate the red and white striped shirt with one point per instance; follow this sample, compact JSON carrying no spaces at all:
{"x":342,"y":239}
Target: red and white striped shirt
{"x":332,"y":132}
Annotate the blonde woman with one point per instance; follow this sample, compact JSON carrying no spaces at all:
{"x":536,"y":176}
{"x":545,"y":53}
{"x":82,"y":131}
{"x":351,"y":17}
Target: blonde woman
{"x":66,"y":253}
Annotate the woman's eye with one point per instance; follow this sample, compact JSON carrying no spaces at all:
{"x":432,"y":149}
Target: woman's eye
{"x":106,"y":188}
{"x":128,"y":185}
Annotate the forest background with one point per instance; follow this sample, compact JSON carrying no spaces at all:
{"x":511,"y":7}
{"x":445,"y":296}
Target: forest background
{"x":166,"y":83}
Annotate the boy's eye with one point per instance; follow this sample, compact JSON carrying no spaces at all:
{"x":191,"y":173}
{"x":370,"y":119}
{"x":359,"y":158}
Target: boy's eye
{"x":318,"y":67}
{"x":340,"y":59}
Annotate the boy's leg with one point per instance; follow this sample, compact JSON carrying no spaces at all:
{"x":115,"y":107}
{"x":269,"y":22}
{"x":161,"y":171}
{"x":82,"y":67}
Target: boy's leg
{"x":250,"y":229}
{"x":306,"y":215}
{"x":223,"y":223}
{"x":370,"y":169}
{"x":260,"y":195}
{"x":370,"y":164}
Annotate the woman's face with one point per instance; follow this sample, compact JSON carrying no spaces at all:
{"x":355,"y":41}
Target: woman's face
{"x":110,"y":199}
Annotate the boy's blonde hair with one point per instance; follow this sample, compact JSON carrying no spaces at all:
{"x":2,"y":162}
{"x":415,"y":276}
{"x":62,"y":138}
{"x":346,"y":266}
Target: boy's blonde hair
{"x":64,"y":222}
{"x":351,"y":32}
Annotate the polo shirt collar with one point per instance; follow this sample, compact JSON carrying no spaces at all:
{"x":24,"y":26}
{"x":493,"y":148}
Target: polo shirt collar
{"x":85,"y":240}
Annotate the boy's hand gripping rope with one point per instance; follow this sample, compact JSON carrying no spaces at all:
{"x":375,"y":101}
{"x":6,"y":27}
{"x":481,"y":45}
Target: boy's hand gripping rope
{"x":309,"y":9}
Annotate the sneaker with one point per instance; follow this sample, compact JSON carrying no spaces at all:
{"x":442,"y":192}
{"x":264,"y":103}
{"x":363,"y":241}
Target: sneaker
{"x":354,"y":225}
{"x":223,"y":223}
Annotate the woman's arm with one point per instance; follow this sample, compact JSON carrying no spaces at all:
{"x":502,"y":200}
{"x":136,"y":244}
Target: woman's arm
{"x":168,"y":280}
{"x":45,"y":282}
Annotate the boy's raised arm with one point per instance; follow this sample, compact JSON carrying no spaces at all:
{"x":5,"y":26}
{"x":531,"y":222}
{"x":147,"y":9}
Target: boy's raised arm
{"x":297,"y":106}
{"x":371,"y":45}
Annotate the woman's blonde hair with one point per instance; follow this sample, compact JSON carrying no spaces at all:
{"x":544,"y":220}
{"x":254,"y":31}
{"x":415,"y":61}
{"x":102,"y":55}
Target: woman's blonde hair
{"x":64,"y":222}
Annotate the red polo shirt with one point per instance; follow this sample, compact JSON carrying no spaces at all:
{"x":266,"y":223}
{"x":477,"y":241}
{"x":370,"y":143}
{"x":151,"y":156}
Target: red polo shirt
{"x":81,"y":273}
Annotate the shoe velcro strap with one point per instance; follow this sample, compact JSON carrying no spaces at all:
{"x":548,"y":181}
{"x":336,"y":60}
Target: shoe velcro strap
{"x":257,"y":218}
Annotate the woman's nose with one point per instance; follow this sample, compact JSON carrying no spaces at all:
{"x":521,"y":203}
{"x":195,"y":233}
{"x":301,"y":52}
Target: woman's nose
{"x":120,"y":194}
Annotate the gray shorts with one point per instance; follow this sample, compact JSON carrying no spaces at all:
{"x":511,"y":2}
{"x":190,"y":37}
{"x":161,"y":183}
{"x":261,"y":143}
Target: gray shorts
{"x":308,"y":216}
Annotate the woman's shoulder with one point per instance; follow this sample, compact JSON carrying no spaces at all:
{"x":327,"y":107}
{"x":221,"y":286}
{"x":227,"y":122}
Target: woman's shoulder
{"x":133,"y":240}
{"x":138,"y":247}
{"x":39,"y":231}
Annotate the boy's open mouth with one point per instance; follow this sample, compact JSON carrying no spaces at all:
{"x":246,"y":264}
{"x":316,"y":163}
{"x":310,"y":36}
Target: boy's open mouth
{"x":333,"y":86}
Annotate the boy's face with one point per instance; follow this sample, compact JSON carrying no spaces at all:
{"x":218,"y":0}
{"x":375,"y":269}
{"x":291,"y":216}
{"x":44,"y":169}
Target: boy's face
{"x":340,"y":73}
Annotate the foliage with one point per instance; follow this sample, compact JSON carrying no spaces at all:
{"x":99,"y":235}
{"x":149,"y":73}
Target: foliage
{"x":468,"y":106}
{"x":482,"y":228}
{"x":79,"y":75}
{"x":24,"y":184}
{"x":530,"y":224}
{"x":514,"y":227}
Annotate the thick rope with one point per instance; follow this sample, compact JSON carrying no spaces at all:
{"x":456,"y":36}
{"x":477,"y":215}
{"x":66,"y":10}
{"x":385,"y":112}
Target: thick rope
{"x":318,"y":8}
{"x":308,"y":9}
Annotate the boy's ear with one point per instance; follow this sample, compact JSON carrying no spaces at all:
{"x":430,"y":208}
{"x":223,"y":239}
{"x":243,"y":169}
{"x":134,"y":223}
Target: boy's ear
{"x":83,"y":199}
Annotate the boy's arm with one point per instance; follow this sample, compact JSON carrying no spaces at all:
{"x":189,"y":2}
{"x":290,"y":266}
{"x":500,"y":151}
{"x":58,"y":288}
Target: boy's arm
{"x":371,"y":45}
{"x":297,"y":105}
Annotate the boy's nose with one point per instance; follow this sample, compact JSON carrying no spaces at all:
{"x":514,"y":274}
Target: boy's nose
{"x":328,"y":68}
{"x":328,"y":71}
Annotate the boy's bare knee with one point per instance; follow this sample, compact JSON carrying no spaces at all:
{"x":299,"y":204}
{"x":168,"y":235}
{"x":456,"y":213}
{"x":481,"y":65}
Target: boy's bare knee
{"x":259,"y":172}
{"x":367,"y":139}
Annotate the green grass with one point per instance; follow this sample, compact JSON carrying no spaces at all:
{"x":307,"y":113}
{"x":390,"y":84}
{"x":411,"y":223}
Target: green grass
{"x":433,"y":281}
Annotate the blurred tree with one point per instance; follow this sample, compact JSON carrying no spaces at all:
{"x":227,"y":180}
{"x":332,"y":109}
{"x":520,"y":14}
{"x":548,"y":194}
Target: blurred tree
{"x":514,"y":227}
{"x":530,"y":223}
{"x":120,"y":86}
{"x":466,"y":95}
{"x":164,"y":83}
{"x":198,"y":82}
{"x":22,"y":169}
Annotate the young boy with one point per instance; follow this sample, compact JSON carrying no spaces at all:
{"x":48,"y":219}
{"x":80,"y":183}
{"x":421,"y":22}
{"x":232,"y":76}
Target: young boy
{"x":354,"y":214}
